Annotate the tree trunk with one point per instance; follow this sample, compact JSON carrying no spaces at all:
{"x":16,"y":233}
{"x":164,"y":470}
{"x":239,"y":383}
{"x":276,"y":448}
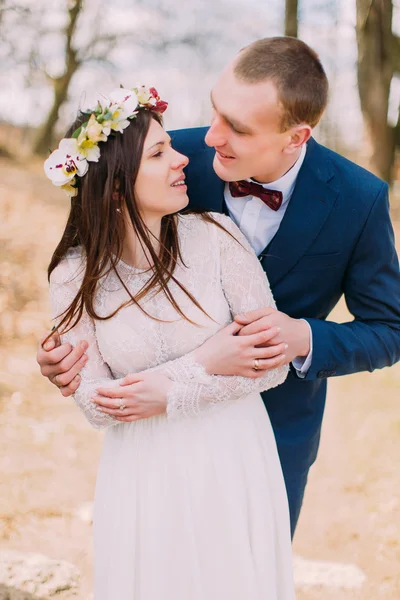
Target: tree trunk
{"x":60,"y":84}
{"x":375,"y":71}
{"x":44,"y":142}
{"x":291,"y":18}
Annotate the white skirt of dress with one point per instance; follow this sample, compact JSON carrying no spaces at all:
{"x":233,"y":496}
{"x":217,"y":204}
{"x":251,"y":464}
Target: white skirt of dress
{"x":194,"y":509}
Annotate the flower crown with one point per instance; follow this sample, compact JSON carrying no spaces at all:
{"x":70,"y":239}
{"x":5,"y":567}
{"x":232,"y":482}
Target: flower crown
{"x":111,"y":114}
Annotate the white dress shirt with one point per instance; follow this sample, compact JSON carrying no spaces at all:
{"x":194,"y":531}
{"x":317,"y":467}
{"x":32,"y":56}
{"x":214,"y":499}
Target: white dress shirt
{"x":259,"y":224}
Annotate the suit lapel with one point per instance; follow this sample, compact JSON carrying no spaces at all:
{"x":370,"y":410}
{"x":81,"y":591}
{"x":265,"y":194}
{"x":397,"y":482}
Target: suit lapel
{"x":312,"y":201}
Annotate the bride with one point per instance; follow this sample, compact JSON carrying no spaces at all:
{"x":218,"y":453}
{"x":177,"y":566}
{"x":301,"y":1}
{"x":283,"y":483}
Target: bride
{"x":190,"y":501}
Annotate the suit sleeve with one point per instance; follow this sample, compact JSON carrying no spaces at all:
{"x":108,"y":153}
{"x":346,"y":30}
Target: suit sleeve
{"x":372,"y":293}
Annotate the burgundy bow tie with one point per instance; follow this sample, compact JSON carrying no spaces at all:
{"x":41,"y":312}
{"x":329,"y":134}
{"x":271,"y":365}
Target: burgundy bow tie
{"x":271,"y":198}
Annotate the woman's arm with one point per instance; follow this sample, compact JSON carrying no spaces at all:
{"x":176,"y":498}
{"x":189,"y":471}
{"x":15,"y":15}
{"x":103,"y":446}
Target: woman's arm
{"x":64,"y":284}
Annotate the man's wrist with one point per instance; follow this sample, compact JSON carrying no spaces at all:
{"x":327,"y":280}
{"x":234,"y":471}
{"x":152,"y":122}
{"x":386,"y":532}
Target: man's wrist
{"x":304,"y":337}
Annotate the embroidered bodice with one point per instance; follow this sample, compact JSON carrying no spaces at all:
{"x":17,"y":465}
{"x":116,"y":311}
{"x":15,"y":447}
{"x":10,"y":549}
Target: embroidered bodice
{"x":224,"y":275}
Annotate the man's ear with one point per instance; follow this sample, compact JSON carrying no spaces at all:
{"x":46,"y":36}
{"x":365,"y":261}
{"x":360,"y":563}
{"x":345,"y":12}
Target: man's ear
{"x":299,"y":135}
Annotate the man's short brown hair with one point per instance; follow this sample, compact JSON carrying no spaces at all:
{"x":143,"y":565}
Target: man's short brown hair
{"x":296,"y":71}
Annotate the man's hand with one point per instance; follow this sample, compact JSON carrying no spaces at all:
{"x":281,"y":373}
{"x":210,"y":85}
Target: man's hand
{"x":143,"y":395}
{"x":227,"y":353}
{"x":294,"y":332}
{"x":61,"y":363}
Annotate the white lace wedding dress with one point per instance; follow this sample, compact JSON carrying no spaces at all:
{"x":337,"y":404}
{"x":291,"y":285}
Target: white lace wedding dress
{"x":190,"y":505}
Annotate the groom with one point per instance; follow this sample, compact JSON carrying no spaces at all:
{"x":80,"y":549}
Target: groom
{"x":319,"y":224}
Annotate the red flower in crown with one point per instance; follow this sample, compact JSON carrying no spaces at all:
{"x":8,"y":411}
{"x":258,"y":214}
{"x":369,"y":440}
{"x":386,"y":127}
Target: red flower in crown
{"x":160,"y":106}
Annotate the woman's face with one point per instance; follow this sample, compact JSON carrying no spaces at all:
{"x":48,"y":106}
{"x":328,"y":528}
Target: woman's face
{"x":160,"y":184}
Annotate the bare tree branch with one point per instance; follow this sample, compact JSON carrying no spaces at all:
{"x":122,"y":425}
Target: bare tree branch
{"x":15,"y":8}
{"x":98,"y":49}
{"x":100,"y":45}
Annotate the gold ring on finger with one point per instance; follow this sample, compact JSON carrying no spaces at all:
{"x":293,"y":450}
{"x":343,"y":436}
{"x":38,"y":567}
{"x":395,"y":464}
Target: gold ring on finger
{"x":122,"y":407}
{"x":256,"y":366}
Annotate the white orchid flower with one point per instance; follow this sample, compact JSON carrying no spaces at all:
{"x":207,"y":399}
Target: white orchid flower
{"x":69,"y":188}
{"x":65,"y":162}
{"x":117,"y":123}
{"x":126,"y":100}
{"x":123,"y":105}
{"x":88,"y":148}
{"x":119,"y":106}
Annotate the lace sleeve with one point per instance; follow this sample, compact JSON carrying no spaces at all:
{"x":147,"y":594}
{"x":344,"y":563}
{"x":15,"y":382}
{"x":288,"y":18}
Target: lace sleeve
{"x":246,"y":287}
{"x":64,"y":284}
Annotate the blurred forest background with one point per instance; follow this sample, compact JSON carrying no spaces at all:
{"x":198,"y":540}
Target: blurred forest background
{"x":56,"y":56}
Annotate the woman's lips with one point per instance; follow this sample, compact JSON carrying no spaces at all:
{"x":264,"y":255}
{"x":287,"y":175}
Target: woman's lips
{"x":180,"y":188}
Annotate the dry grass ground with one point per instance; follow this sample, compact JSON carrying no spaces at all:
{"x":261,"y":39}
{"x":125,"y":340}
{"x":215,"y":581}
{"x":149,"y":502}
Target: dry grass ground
{"x":48,"y":454}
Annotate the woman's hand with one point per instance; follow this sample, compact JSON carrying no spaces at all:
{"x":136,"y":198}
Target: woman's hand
{"x":143,"y":395}
{"x":229,"y":353}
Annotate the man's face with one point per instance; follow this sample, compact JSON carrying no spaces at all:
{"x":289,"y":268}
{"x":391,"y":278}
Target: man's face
{"x":245,"y":130}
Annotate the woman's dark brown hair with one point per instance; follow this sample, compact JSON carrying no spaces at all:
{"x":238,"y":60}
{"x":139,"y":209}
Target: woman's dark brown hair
{"x":96,"y":223}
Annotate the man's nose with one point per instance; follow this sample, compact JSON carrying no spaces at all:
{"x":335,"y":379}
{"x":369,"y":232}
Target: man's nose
{"x":216,"y":136}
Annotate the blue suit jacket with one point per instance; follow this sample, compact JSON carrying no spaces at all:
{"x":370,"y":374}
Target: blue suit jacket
{"x":335,"y":238}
